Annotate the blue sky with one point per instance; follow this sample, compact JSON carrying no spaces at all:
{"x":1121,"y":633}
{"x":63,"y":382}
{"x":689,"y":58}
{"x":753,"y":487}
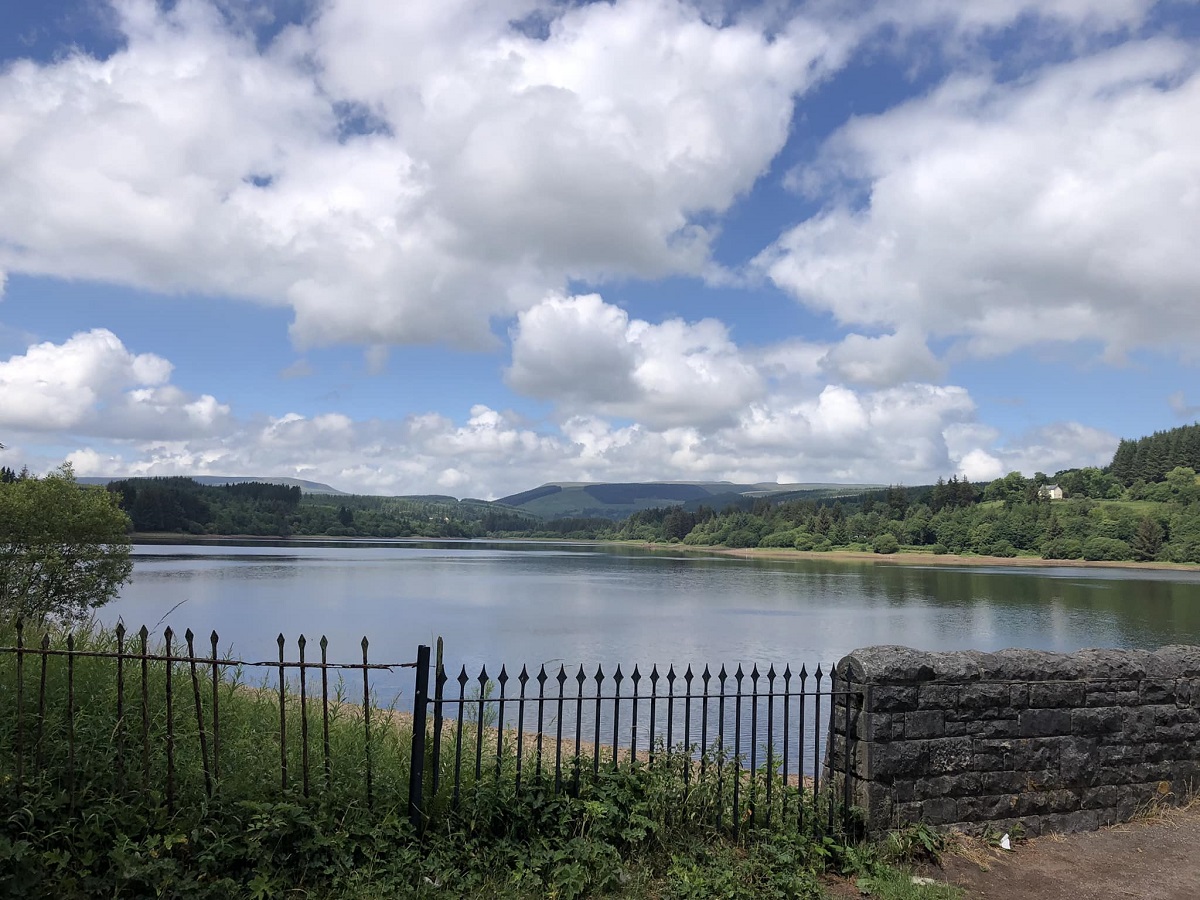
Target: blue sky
{"x":428,"y":248}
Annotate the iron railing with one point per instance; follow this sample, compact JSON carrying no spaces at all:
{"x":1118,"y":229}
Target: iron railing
{"x":748,"y":745}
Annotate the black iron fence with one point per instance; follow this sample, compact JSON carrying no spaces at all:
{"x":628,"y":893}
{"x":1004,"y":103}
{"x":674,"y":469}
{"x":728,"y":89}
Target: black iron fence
{"x":172,"y":724}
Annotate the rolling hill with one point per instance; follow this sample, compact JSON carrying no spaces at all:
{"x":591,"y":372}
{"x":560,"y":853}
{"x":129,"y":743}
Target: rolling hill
{"x":307,"y":487}
{"x":568,"y":499}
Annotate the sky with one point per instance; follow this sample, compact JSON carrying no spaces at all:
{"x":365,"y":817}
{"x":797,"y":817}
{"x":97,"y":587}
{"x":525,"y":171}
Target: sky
{"x":472,"y":246}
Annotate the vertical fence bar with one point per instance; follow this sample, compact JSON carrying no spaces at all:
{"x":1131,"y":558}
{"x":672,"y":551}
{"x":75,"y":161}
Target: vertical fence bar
{"x":191,"y":647}
{"x":439,"y":684}
{"x":522,"y":679}
{"x":458,"y":740}
{"x":300,"y":644}
{"x":787,"y":702}
{"x":721,"y":676}
{"x":562,"y":680}
{"x":737,"y":750}
{"x":213,"y":640}
{"x":39,"y":749}
{"x":770,"y":738}
{"x":580,"y":678}
{"x":143,"y":643}
{"x":325,"y":749}
{"x":71,"y":718}
{"x":502,"y":680}
{"x":752,"y":801}
{"x":817,"y":746}
{"x":367,"y":721}
{"x":596,"y":742}
{"x":20,"y":738}
{"x":705,"y":678}
{"x":635,"y":678}
{"x":541,"y":702}
{"x":653,"y":709}
{"x":283,"y":773}
{"x":483,"y":680}
{"x":416,"y":764}
{"x":670,"y":709}
{"x":616,"y":744}
{"x":687,"y":731}
{"x":800,"y":749}
{"x":168,"y":634}
{"x":120,"y":732}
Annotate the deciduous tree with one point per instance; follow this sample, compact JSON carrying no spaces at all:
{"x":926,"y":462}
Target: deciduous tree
{"x":64,"y":550}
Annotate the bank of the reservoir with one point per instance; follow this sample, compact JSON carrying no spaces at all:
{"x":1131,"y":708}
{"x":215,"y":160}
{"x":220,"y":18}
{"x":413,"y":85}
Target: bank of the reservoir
{"x":919,"y":559}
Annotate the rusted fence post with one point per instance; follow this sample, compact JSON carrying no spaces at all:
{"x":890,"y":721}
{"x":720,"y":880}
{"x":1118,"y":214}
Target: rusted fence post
{"x":416,"y":765}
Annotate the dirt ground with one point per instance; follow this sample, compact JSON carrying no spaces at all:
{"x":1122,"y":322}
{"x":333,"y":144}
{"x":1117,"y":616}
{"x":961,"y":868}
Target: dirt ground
{"x":1157,"y":858}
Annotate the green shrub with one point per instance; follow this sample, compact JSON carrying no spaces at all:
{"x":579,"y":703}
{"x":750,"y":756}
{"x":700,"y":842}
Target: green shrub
{"x":1103,"y":548}
{"x":886,"y":543}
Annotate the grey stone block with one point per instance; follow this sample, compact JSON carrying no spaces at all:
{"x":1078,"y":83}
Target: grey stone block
{"x":1056,"y":695}
{"x":896,"y":760}
{"x":975,"y":697}
{"x":938,"y":696}
{"x":1097,"y":721}
{"x":947,"y":755}
{"x":1157,"y":690}
{"x":987,"y":807}
{"x":961,"y":785}
{"x":1036,"y":803}
{"x":1036,"y":753}
{"x":940,"y":811}
{"x":1016,"y":782}
{"x":1045,"y":722}
{"x":985,"y":728}
{"x":891,"y":698}
{"x":1112,"y":693}
{"x":1078,"y":760}
{"x":928,"y":723}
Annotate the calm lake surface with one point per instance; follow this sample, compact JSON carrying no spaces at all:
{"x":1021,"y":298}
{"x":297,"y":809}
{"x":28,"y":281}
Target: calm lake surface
{"x":522,"y":603}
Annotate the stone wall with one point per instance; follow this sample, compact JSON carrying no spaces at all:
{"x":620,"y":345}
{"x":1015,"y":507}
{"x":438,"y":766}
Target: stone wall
{"x":1057,"y":742}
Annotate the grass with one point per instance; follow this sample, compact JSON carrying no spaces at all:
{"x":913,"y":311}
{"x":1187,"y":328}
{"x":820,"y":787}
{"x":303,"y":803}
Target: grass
{"x":92,"y":815}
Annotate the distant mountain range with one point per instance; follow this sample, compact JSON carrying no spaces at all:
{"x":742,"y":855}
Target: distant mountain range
{"x":307,"y":487}
{"x":579,"y":499}
{"x":565,"y":499}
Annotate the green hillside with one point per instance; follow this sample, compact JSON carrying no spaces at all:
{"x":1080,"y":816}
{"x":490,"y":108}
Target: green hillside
{"x":616,"y":501}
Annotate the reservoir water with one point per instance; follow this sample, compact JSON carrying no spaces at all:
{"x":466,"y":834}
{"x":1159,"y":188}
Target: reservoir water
{"x":533,"y":603}
{"x":536,"y":604}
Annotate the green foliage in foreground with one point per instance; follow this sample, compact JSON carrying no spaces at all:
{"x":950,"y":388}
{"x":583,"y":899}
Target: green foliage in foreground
{"x":63,"y":549}
{"x":92,"y":830}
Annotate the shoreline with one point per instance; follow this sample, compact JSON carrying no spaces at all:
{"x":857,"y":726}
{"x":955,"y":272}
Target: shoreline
{"x":924,"y":559}
{"x":910,"y":558}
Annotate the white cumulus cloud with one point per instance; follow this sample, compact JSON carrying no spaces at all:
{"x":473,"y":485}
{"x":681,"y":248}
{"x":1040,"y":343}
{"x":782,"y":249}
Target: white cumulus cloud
{"x":394,"y":172}
{"x":92,"y":383}
{"x":1059,"y":207}
{"x":587,"y":354}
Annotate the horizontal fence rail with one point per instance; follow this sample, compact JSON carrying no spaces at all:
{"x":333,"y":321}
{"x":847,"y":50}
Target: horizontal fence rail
{"x":165,"y":722}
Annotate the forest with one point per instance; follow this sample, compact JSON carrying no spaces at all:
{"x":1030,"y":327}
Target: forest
{"x":184,"y":506}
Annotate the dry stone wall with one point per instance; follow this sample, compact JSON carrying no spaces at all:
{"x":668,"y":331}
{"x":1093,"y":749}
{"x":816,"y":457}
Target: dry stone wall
{"x":1056,"y":742}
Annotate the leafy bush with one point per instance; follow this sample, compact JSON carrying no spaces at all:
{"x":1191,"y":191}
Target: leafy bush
{"x":1098,"y":548}
{"x":886,"y":543}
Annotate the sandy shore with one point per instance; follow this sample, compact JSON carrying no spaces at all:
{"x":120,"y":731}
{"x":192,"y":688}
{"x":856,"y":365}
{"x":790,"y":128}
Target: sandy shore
{"x":921,"y":559}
